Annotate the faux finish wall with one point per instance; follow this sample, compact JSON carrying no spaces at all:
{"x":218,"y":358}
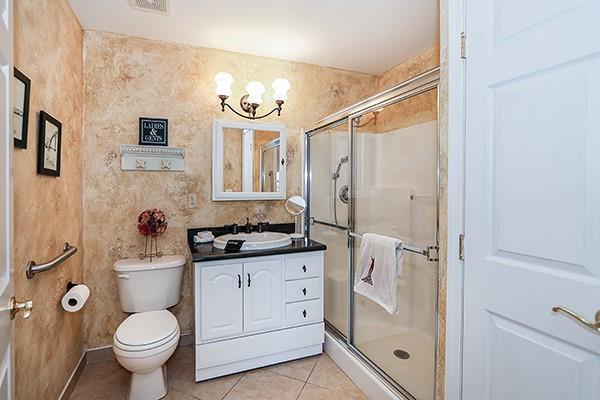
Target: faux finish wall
{"x":126,"y":78}
{"x":48,"y":44}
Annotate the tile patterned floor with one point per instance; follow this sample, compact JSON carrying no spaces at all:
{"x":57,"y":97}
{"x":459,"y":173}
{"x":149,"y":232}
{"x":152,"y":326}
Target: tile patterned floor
{"x":312,"y":378}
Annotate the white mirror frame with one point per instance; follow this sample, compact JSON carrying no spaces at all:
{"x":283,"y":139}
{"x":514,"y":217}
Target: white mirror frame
{"x":218,"y":194}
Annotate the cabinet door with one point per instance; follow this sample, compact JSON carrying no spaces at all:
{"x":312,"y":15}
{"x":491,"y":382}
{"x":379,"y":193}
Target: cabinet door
{"x":263,"y":295}
{"x":221,"y":301}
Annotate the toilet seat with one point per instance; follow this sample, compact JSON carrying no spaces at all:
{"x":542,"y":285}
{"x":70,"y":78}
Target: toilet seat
{"x":147,"y":332}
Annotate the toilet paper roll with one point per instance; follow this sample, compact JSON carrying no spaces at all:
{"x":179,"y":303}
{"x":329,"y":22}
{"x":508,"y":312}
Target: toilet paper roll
{"x":75,"y":298}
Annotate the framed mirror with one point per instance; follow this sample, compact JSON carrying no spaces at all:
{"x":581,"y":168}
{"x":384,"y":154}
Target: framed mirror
{"x":249,"y":161}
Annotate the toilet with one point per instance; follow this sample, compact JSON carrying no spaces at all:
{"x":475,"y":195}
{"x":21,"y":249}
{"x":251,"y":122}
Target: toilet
{"x":146,"y":339}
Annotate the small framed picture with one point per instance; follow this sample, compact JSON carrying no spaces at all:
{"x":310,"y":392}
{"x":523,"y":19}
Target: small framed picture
{"x":50,"y":132}
{"x":154,"y":131}
{"x":20,"y":94}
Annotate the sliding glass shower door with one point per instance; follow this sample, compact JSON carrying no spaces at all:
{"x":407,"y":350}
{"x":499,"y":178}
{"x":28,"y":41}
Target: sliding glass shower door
{"x":394,"y":193}
{"x":329,"y":176}
{"x":373,"y":168}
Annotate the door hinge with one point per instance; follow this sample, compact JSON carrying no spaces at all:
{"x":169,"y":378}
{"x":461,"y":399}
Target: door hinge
{"x":461,"y":246}
{"x":463,"y":45}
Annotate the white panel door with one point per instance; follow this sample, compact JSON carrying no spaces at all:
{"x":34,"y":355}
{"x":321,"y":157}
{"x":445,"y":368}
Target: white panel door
{"x":6,"y":144}
{"x":532,"y":200}
{"x":264,"y":295}
{"x":221,"y":301}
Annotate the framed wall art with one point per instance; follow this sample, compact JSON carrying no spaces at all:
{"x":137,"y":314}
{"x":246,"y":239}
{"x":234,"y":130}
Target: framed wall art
{"x":20,"y":97}
{"x":49,"y":139}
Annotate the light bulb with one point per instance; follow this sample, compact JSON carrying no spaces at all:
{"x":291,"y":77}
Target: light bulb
{"x":255,"y":91}
{"x":281,"y":87}
{"x":224,"y":80}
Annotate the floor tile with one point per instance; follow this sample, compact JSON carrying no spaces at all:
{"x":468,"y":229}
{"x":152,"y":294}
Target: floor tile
{"x":328,"y":375}
{"x":102,"y":381}
{"x":265,"y":385}
{"x":297,"y":369}
{"x":181,"y":360}
{"x":314,"y":392}
{"x":213,"y":389}
{"x":176,"y":395}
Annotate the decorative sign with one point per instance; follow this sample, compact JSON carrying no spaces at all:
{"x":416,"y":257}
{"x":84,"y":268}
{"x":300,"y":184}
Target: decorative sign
{"x":154,"y":131}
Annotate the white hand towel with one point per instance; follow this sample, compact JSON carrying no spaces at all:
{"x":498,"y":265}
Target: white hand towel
{"x":379,"y":264}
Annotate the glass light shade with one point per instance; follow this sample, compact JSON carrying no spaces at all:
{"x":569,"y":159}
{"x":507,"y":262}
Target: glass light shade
{"x":224,"y":80}
{"x":281,"y":87}
{"x":255,"y":91}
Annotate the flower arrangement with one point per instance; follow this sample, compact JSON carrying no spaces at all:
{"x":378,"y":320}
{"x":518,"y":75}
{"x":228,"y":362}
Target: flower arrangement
{"x":151,"y":224}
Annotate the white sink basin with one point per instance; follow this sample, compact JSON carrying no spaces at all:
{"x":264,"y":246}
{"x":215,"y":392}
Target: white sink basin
{"x":255,"y":240}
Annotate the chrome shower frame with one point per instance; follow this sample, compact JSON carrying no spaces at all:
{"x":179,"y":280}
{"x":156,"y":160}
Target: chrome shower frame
{"x":415,"y":86}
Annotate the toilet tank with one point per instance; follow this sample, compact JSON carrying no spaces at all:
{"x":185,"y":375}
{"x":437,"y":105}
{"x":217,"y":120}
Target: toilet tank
{"x":145,"y":285}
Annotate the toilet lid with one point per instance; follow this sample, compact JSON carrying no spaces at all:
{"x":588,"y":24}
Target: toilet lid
{"x":146,"y":328}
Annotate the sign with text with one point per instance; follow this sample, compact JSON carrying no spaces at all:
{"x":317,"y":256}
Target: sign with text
{"x":154,"y":131}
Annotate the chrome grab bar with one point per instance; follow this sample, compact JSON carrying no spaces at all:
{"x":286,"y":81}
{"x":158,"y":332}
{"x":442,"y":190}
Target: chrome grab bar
{"x":430,"y":252}
{"x":33,"y":268}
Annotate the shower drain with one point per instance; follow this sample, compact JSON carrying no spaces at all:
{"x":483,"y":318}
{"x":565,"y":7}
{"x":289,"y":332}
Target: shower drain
{"x":401,"y":354}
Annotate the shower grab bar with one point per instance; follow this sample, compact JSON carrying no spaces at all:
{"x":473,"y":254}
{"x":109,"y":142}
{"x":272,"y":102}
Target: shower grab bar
{"x":431,"y":252}
{"x":33,"y":268}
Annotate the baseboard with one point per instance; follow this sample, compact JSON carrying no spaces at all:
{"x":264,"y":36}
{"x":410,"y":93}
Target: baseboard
{"x":105,"y":353}
{"x":371,"y":385}
{"x":70,"y":386}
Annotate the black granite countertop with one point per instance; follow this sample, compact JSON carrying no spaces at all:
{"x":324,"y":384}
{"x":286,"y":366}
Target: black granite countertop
{"x":202,"y":252}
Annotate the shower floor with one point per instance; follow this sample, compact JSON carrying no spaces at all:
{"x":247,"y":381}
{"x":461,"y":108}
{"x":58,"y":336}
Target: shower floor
{"x":415,"y":374}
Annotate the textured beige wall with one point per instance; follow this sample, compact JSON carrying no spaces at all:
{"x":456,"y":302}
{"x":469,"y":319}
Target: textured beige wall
{"x":418,"y":109}
{"x":126,"y":78}
{"x":47,"y":210}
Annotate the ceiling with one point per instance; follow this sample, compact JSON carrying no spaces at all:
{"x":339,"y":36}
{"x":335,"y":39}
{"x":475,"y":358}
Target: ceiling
{"x":367,"y":36}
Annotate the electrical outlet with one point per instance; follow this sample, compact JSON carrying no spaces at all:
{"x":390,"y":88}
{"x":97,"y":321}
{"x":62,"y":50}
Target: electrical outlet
{"x":192,"y":200}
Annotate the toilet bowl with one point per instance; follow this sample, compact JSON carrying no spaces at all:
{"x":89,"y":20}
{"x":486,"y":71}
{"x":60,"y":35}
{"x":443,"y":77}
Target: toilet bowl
{"x":146,"y":339}
{"x":142,"y":344}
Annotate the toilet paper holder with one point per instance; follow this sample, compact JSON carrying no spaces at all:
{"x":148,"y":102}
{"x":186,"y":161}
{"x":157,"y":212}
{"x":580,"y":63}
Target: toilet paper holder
{"x":74,"y":300}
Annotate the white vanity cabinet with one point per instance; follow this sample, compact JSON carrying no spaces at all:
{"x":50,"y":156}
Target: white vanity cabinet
{"x":252,"y":312}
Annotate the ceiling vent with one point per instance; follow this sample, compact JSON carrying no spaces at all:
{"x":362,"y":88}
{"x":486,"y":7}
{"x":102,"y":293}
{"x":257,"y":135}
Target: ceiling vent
{"x":155,"y":6}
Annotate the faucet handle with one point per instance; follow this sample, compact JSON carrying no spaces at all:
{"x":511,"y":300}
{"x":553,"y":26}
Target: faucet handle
{"x":261,"y":226}
{"x":234,"y":228}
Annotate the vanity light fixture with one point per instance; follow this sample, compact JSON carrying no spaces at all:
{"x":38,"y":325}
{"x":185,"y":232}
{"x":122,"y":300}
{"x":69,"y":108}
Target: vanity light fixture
{"x":250,"y":102}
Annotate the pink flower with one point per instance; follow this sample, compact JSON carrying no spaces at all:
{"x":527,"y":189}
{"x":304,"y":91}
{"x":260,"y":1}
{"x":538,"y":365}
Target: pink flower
{"x":152,"y":222}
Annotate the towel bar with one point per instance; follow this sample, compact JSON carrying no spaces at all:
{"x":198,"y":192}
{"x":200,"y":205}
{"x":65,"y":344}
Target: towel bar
{"x":431,"y":252}
{"x":33,"y":268}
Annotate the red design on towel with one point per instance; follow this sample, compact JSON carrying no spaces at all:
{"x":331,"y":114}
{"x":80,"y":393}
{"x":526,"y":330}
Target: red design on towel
{"x":369,"y":279}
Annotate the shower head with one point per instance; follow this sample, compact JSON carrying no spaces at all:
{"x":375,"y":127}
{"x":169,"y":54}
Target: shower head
{"x":336,"y":174}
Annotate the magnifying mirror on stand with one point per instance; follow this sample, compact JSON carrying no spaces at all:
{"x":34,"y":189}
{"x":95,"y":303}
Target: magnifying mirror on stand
{"x":296,"y":205}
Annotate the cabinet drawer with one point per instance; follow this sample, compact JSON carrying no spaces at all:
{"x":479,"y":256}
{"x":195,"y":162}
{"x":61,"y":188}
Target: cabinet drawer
{"x":302,"y":289}
{"x":303,"y":267}
{"x":304,"y":312}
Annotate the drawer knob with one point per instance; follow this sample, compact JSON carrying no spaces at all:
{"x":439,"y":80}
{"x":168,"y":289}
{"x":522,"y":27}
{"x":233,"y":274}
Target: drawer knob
{"x":304,"y":291}
{"x":304,"y":313}
{"x":304,"y":268}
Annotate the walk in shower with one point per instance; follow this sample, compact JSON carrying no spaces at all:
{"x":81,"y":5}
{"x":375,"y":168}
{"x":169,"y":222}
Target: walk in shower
{"x":374,"y":168}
